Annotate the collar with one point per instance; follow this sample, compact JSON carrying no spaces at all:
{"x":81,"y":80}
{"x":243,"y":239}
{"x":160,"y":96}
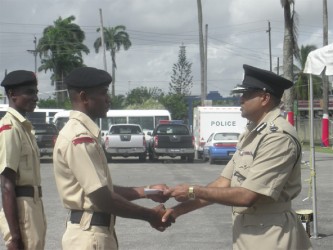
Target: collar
{"x":17,"y":115}
{"x":23,"y":120}
{"x":269,"y":117}
{"x":86,"y":121}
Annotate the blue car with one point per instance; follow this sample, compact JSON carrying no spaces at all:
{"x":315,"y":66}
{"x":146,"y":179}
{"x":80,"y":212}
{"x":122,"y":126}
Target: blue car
{"x":220,"y":146}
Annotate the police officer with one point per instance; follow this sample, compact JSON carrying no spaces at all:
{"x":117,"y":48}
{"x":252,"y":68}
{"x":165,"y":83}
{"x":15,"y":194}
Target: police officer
{"x":263,"y":176}
{"x":82,"y":175}
{"x":22,"y":219}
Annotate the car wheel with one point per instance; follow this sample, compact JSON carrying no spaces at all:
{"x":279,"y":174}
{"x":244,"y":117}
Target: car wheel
{"x":142,"y":157}
{"x":153,"y":157}
{"x":190,"y":158}
{"x":211,"y":160}
{"x":183,"y":157}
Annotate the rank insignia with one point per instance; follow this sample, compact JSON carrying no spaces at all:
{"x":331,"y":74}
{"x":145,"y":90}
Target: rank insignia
{"x":272,"y":127}
{"x":261,"y":127}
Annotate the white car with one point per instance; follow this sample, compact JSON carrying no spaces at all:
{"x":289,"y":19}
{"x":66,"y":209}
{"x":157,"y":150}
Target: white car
{"x":220,"y":146}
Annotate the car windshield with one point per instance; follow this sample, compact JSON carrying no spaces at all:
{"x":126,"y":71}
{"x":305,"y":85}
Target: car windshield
{"x":125,"y":130}
{"x":226,"y":136}
{"x":172,"y":129}
{"x":45,"y":129}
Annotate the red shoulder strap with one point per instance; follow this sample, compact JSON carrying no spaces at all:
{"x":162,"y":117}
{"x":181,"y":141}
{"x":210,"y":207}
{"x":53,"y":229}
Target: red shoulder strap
{"x":83,"y":140}
{"x":5,"y":127}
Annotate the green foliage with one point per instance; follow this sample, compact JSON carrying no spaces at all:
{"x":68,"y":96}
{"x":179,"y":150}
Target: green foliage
{"x":118,"y":102}
{"x":176,"y":104}
{"x":142,"y":94}
{"x":53,"y":103}
{"x":181,"y":79}
{"x":61,"y":49}
{"x":148,"y":104}
{"x":114,"y":38}
{"x":302,"y":80}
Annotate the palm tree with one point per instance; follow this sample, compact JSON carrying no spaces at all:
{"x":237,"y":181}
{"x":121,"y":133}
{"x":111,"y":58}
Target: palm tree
{"x":290,"y":49}
{"x":115,"y":38}
{"x":60,"y":50}
{"x":302,"y":81}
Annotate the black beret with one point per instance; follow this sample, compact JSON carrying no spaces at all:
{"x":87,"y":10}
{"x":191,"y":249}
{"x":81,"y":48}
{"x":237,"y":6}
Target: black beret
{"x":87,"y":77}
{"x":260,"y":79}
{"x":19,"y":77}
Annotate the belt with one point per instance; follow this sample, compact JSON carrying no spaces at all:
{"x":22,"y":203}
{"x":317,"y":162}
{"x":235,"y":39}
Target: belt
{"x":98,"y":218}
{"x":27,"y":191}
{"x":277,"y":207}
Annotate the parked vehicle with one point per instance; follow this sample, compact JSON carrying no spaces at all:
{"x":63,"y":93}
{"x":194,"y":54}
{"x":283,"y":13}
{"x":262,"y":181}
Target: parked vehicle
{"x":220,"y":146}
{"x":46,"y":136}
{"x":125,"y":140}
{"x":171,"y":138}
{"x":207,"y":120}
{"x":148,"y":119}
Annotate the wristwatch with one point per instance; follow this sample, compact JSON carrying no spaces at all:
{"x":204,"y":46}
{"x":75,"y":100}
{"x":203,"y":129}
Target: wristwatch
{"x":191,"y":193}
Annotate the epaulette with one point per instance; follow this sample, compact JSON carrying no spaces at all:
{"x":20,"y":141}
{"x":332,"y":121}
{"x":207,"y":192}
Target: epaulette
{"x":81,"y":140}
{"x":5,"y":127}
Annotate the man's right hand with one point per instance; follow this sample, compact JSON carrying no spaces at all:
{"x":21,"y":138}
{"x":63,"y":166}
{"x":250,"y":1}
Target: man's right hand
{"x":156,"y":221}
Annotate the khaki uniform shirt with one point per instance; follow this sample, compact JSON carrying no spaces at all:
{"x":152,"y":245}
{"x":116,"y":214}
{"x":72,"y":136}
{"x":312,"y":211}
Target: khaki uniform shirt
{"x":80,"y":165}
{"x":267,"y":161}
{"x":19,"y":150}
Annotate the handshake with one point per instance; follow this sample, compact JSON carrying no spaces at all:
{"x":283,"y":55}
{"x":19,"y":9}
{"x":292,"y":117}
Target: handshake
{"x":163,"y":217}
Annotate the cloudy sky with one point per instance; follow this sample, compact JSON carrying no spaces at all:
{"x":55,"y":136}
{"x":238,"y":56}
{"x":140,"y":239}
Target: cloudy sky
{"x":237,"y":35}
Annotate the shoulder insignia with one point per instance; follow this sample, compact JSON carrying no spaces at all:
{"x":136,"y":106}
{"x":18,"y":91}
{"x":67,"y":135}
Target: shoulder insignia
{"x":5,"y":127}
{"x":272,"y":127}
{"x":261,"y":127}
{"x":81,"y":140}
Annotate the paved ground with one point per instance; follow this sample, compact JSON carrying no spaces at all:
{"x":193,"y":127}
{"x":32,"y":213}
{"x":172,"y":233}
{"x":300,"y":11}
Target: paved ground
{"x":208,"y":228}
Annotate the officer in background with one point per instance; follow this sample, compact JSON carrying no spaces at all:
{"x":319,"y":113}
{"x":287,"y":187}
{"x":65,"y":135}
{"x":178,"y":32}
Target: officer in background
{"x":82,"y":175}
{"x":263,"y":176}
{"x":22,"y":219}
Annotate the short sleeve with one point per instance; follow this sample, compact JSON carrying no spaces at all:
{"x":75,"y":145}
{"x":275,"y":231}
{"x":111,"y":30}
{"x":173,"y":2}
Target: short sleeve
{"x":10,"y":147}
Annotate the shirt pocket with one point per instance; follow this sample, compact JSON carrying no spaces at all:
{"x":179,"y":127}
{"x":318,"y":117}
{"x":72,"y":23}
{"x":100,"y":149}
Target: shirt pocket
{"x":26,"y":151}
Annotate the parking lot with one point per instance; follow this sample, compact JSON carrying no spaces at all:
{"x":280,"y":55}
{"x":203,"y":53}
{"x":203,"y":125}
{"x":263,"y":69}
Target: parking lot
{"x":208,"y":228}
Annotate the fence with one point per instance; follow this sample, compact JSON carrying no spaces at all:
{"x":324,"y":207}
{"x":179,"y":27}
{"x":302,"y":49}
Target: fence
{"x":303,"y":130}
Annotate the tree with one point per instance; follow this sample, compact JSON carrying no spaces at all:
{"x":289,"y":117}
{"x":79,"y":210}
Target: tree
{"x":140,"y":95}
{"x":176,"y":104}
{"x":115,"y":38}
{"x":290,"y":49}
{"x":181,"y":79}
{"x":302,"y":81}
{"x":60,"y":50}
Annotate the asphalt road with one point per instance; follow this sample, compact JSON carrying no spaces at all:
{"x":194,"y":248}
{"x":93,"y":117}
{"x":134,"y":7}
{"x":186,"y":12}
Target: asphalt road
{"x":208,"y":228}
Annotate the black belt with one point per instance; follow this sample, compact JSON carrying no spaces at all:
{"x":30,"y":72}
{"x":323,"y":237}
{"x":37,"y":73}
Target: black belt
{"x":98,"y":218}
{"x":27,"y":191}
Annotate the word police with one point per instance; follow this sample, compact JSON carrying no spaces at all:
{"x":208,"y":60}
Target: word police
{"x":223,"y":123}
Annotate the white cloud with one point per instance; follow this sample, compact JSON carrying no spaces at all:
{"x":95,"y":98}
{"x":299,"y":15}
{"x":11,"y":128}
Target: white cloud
{"x":236,"y":30}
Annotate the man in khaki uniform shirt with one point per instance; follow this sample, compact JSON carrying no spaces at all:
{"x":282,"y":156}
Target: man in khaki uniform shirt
{"x":22,"y":219}
{"x":263,"y":176}
{"x":82,"y":175}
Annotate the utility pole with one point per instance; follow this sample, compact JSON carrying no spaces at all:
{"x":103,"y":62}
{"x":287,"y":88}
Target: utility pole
{"x":202,"y":53}
{"x":270,"y":47}
{"x":325,"y":121}
{"x":206,"y":52}
{"x":34,"y":52}
{"x":102,"y":39}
